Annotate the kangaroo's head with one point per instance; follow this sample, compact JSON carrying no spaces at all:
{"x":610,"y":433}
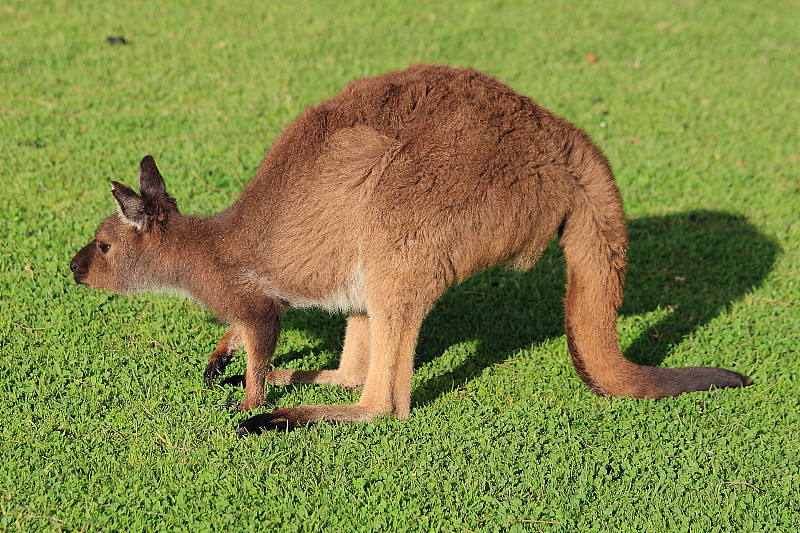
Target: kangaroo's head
{"x":127,"y":252}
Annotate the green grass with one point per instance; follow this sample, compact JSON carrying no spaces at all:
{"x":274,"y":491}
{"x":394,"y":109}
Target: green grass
{"x":106,"y":423}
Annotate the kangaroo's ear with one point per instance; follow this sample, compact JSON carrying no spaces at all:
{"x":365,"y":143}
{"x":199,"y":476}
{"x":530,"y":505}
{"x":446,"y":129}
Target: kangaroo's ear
{"x":129,"y":204}
{"x":151,"y":184}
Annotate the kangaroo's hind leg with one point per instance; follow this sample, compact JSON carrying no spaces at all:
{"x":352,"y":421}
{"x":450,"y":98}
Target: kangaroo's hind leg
{"x":387,"y":389}
{"x":352,"y":371}
{"x":397,"y":307}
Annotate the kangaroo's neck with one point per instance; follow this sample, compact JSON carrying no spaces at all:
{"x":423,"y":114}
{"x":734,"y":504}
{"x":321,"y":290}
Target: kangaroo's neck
{"x":195,"y":261}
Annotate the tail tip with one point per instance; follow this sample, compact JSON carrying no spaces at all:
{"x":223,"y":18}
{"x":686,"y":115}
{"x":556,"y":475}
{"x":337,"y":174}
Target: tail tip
{"x":734,"y":380}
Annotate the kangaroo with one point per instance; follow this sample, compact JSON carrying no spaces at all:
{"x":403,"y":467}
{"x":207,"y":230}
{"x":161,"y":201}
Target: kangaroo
{"x":372,"y":204}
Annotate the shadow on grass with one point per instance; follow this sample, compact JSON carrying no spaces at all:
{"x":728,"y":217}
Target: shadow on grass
{"x":691,"y":265}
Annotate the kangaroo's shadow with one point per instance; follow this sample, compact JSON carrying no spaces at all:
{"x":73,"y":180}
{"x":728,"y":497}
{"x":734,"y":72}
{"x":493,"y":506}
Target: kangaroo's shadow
{"x":690,"y":265}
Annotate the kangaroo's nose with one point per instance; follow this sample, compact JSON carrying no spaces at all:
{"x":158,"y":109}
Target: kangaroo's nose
{"x":74,"y":265}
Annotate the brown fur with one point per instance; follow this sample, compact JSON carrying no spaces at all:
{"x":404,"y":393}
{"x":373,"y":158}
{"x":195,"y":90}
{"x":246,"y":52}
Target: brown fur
{"x":372,"y":204}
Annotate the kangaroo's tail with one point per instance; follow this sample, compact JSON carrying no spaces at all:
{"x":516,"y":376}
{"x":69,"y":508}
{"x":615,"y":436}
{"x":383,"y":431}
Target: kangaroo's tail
{"x":594,"y":239}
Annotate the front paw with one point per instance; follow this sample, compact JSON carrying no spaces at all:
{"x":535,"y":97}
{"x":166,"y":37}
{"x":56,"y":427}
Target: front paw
{"x":214,"y":370}
{"x":235,"y":381}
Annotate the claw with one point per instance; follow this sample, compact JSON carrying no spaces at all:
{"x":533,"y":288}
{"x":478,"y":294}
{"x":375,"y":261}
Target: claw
{"x":230,"y":406}
{"x":214,"y":370}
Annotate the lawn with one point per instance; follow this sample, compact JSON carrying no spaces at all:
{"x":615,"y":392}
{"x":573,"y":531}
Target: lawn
{"x":106,"y":423}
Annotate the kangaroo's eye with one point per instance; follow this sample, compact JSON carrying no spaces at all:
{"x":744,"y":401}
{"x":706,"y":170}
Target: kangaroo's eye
{"x":104,"y":247}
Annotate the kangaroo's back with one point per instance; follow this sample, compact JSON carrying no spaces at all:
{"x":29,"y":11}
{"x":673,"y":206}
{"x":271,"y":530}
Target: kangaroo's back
{"x":450,"y":156}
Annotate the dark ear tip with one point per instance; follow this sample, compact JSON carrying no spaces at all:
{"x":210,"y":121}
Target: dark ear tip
{"x":118,"y":188}
{"x":151,"y":184}
{"x":148,"y":162}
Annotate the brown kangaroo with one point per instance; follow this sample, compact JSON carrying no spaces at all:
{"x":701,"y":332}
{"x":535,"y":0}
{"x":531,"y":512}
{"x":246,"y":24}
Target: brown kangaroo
{"x":373,"y":203}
